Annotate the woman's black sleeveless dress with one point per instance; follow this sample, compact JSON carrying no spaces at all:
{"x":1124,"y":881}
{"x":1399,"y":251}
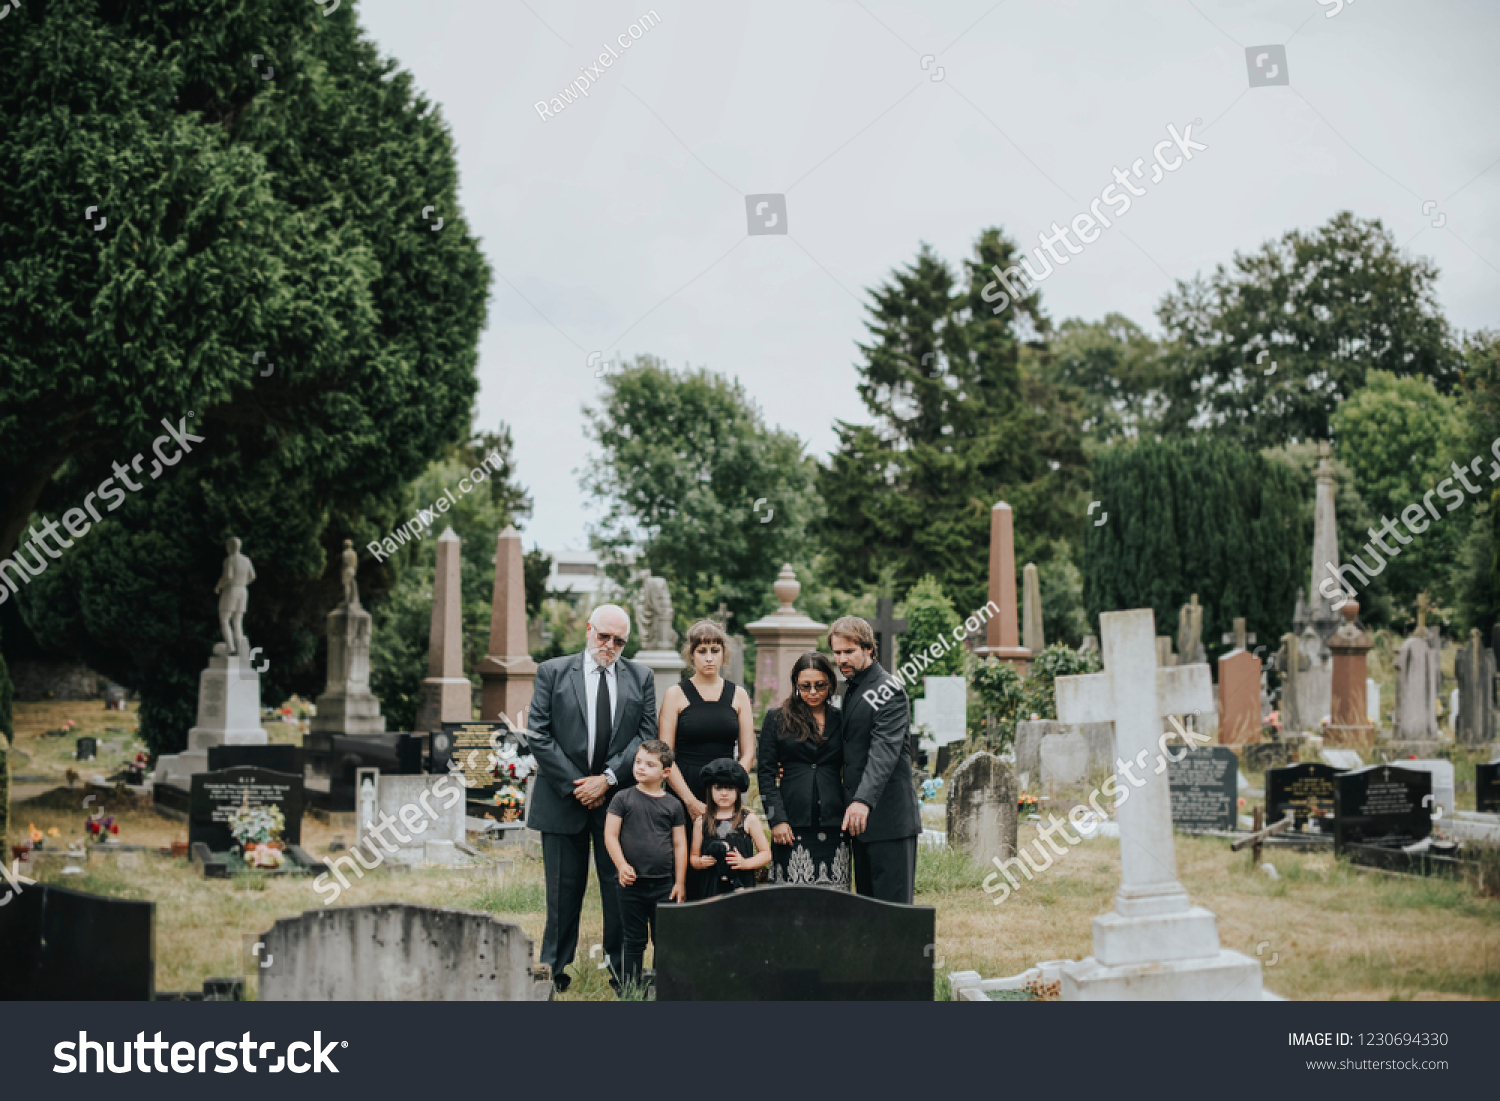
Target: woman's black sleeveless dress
{"x":706,"y":731}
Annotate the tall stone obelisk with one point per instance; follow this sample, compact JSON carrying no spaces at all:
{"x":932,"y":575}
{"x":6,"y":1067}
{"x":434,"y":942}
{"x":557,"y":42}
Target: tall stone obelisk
{"x":446,"y":693}
{"x":1002,"y":637}
{"x":1325,"y":550}
{"x":508,"y":672}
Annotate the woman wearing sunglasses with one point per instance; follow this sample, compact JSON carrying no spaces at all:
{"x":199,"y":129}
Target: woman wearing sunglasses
{"x":803,"y":741}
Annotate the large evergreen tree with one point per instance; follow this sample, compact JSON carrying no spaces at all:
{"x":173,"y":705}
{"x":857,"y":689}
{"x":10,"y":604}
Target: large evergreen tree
{"x":262,"y":275}
{"x":963,"y":418}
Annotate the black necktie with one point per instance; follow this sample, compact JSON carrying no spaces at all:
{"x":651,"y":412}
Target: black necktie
{"x":602,"y":731}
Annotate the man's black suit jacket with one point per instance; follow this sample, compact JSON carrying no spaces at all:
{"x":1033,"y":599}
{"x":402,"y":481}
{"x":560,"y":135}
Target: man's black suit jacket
{"x":877,"y":755}
{"x":558,"y":735}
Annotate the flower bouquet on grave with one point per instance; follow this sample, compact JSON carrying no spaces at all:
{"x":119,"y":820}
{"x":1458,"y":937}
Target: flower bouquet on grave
{"x":1026,"y":803}
{"x":103,"y":829}
{"x":511,"y":803}
{"x":258,"y":830}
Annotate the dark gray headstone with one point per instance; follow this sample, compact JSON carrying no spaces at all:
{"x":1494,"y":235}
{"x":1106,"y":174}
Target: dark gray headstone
{"x":277,"y":758}
{"x":58,"y":944}
{"x":87,"y":748}
{"x":1205,"y":789}
{"x":1305,"y":789}
{"x":1487,"y":787}
{"x":794,"y":944}
{"x":1381,"y":805}
{"x":466,"y":742}
{"x":394,"y":754}
{"x":217,"y":795}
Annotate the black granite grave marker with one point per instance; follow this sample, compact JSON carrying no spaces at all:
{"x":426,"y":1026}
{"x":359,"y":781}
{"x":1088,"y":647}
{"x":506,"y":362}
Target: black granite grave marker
{"x":1381,"y":805}
{"x":1205,"y":787}
{"x":469,"y":745}
{"x":87,"y":748}
{"x":277,"y":758}
{"x":1305,"y":789}
{"x":393,"y":753}
{"x":217,"y":795}
{"x":1487,"y":787}
{"x":794,"y":944}
{"x":58,"y":944}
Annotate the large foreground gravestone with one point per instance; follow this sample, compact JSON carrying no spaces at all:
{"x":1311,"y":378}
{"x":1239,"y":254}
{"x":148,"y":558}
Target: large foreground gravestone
{"x":395,"y":952}
{"x":801,"y":944}
{"x":1487,"y":787}
{"x":217,"y":795}
{"x":1156,"y":944}
{"x":62,"y":945}
{"x":1381,"y":805}
{"x":1304,"y":790}
{"x":1203,"y":780}
{"x":982,"y":809}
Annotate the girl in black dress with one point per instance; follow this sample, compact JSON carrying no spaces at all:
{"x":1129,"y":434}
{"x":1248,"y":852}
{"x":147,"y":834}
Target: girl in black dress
{"x":728,"y":842}
{"x":703,"y":719}
{"x":803,"y":739}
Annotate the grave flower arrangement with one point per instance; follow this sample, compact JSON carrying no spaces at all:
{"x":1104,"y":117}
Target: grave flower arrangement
{"x":1026,"y":802}
{"x":511,"y":803}
{"x":258,"y":830}
{"x":101,"y":828}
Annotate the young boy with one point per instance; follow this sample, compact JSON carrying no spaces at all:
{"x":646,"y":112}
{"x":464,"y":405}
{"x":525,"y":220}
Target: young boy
{"x":645,"y":835}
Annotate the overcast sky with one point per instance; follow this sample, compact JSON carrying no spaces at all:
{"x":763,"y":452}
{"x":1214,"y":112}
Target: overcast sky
{"x":620,"y":224}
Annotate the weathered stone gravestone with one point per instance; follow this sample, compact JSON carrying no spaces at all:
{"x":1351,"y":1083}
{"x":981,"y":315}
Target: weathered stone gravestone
{"x":947,"y":708}
{"x":429,"y":816}
{"x":1418,"y":674}
{"x":1156,"y":944}
{"x":87,"y":749}
{"x":1239,"y":698}
{"x":1381,"y":805}
{"x":217,"y":795}
{"x":795,"y":944}
{"x":62,"y":945}
{"x":1065,"y":761}
{"x":1190,"y":633}
{"x":1474,"y":665}
{"x":1487,"y":787}
{"x":396,"y":952}
{"x":1305,"y":790}
{"x":1444,"y":787}
{"x":1028,"y":745}
{"x":1033,"y":635}
{"x":982,"y":809}
{"x":1204,"y":787}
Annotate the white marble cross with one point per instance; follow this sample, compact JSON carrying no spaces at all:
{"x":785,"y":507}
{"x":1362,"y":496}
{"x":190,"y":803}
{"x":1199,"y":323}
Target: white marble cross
{"x":1136,"y":695}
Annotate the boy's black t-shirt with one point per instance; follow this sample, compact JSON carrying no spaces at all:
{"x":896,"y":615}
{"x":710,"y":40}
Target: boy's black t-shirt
{"x":646,"y":830}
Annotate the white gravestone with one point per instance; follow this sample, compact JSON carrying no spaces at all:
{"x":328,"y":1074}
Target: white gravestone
{"x":1443,"y":786}
{"x":947,"y":709}
{"x":1372,"y":701}
{"x":1346,"y":760}
{"x":1156,"y":945}
{"x":418,"y":811}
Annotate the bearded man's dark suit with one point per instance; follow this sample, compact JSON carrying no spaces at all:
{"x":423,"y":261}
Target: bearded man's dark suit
{"x":877,"y":773}
{"x":558,"y":735}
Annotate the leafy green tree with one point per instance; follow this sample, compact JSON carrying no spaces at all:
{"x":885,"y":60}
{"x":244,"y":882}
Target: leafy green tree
{"x":1325,"y":307}
{"x":1063,"y":618}
{"x":1398,"y":436}
{"x":7,"y":702}
{"x":258,"y":259}
{"x":1478,"y":569}
{"x":697,"y":489}
{"x":963,"y":417}
{"x":1203,"y":516}
{"x":1114,"y":372}
{"x":1000,"y":690}
{"x":930,"y":619}
{"x":1039,"y":692}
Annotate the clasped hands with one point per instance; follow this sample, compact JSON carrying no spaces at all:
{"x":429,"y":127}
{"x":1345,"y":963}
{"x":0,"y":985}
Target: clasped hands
{"x":590,"y":790}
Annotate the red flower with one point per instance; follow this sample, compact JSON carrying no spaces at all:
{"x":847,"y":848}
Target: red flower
{"x":114,"y":829}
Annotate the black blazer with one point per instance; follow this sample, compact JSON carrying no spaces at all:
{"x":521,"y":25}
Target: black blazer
{"x":803,"y":765}
{"x":877,"y":755}
{"x":557,"y":733}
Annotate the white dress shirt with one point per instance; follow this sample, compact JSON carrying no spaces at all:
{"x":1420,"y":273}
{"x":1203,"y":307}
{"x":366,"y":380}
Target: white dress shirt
{"x":591,"y":692}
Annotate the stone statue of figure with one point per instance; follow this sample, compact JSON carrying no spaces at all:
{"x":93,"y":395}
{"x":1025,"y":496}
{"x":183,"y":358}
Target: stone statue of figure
{"x":237,"y":575}
{"x":367,"y":802}
{"x":654,"y":615}
{"x":351,"y":567}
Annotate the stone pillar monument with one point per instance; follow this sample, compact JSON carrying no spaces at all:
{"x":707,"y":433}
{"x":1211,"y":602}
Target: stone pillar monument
{"x":1002,"y":639}
{"x":1325,"y":551}
{"x":1474,"y":666}
{"x":347,"y":706}
{"x":1350,"y":723}
{"x":782,"y":637}
{"x":1033,"y":637}
{"x":447,"y":696}
{"x":658,"y":652}
{"x":508,"y":672}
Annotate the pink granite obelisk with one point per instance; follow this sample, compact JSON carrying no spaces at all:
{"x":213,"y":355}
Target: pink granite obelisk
{"x":447,"y":695}
{"x":508,"y":672}
{"x":1002,"y":638}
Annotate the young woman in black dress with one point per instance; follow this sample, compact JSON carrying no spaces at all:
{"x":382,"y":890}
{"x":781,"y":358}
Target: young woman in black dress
{"x":803,"y":739}
{"x":703,"y":719}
